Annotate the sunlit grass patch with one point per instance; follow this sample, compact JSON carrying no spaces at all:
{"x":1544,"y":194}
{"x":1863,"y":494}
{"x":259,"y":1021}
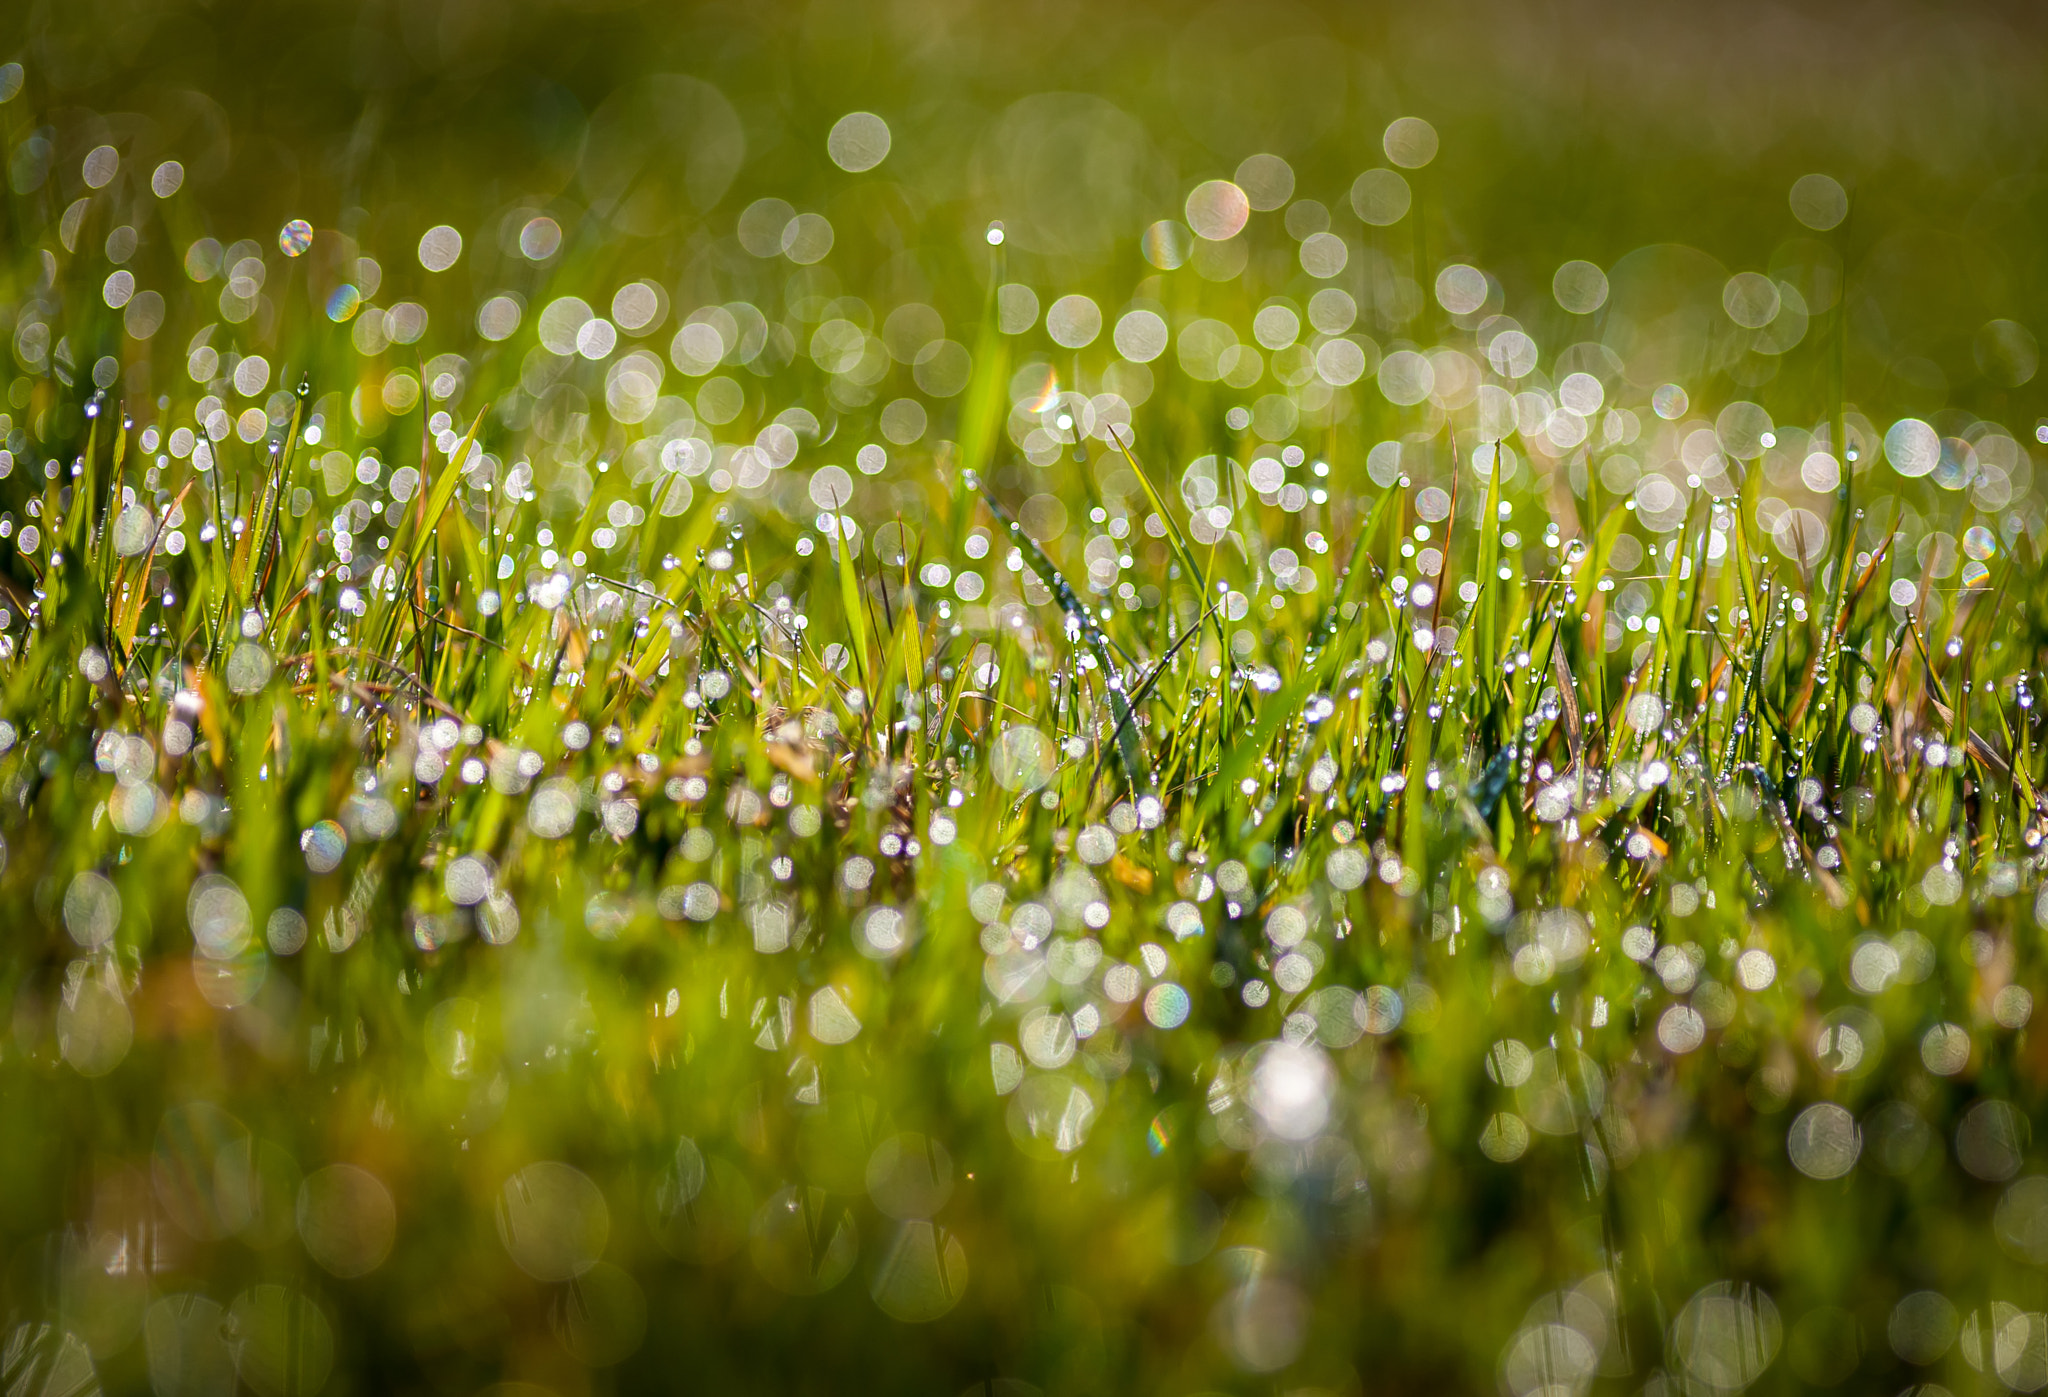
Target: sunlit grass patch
{"x":584,"y":793}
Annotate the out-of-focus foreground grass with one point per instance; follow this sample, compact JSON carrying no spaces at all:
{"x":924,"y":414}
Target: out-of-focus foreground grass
{"x":950,"y":699}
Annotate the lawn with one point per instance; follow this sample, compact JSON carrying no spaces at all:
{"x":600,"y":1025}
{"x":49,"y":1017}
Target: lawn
{"x":911,"y":701}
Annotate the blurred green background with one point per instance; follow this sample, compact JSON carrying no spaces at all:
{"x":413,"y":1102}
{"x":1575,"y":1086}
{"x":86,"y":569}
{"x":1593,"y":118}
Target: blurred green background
{"x":1568,"y":130}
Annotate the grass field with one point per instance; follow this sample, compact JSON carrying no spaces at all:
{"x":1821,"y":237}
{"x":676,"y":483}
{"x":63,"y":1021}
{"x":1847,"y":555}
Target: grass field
{"x":945,"y":754}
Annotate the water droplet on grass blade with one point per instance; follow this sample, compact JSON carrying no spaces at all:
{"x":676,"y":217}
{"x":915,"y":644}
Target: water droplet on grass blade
{"x":1410,"y":142}
{"x":859,"y":141}
{"x":1217,"y":210}
{"x":249,"y":667}
{"x":1824,"y":1141}
{"x":343,"y":303}
{"x":346,"y":1220}
{"x":1167,"y":1005}
{"x":1819,"y":201}
{"x":1022,"y":758}
{"x":440,"y":246}
{"x":803,"y":1241}
{"x":92,"y":910}
{"x":553,"y":1220}
{"x":922,"y":1275}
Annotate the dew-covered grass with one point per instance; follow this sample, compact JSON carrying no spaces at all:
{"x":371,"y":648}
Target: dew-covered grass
{"x":603,"y":796}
